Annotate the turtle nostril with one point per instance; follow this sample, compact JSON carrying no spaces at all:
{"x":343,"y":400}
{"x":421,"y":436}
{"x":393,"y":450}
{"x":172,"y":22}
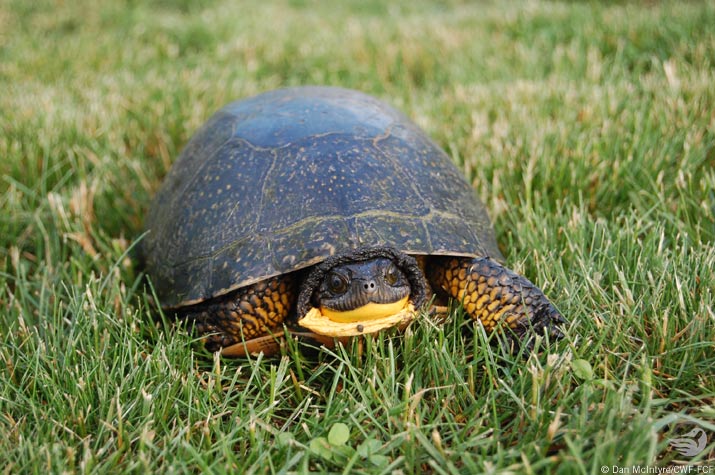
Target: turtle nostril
{"x":370,"y":286}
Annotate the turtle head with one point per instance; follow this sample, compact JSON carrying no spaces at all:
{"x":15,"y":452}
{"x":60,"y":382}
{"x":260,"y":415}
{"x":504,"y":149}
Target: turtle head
{"x":361,"y":292}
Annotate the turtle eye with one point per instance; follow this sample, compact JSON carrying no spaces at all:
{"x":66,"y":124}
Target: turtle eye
{"x":391,"y":274}
{"x":337,"y":283}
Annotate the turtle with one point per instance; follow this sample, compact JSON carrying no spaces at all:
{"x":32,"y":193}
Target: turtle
{"x":325,"y":213}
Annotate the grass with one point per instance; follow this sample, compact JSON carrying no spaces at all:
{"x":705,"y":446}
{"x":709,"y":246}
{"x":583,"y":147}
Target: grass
{"x":586,"y":128}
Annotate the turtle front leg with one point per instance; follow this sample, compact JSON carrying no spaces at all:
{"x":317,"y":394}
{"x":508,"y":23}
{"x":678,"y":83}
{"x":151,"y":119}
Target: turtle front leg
{"x":495,"y":295}
{"x":246,"y":320}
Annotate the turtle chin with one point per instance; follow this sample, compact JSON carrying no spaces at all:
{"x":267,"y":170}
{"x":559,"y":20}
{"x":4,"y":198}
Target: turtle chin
{"x":368,"y":319}
{"x":369,"y":311}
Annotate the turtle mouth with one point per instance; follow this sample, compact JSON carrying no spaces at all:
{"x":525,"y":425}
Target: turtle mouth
{"x":369,"y":318}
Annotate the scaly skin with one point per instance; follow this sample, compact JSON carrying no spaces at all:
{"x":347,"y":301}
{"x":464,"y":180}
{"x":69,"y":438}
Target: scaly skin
{"x":248,"y":313}
{"x":495,"y":295}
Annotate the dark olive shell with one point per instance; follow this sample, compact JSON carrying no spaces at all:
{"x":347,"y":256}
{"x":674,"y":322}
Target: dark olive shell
{"x":285,"y":179}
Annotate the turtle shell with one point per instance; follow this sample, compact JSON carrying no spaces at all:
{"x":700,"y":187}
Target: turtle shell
{"x":280,"y":181}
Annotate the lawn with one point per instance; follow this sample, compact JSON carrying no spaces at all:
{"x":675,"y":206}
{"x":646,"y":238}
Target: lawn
{"x":587,"y":129}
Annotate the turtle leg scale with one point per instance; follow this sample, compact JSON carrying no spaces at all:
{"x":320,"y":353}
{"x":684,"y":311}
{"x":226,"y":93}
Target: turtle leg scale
{"x":251,"y":313}
{"x":495,"y":295}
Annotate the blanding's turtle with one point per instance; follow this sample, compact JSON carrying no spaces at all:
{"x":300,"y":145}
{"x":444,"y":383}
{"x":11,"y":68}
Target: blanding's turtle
{"x":327,"y":212}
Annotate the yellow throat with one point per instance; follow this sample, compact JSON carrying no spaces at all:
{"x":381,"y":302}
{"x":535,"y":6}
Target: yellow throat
{"x":370,"y":311}
{"x":369,"y":318}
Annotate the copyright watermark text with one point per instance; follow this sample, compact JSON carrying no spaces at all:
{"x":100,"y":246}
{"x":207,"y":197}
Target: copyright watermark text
{"x":672,"y":469}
